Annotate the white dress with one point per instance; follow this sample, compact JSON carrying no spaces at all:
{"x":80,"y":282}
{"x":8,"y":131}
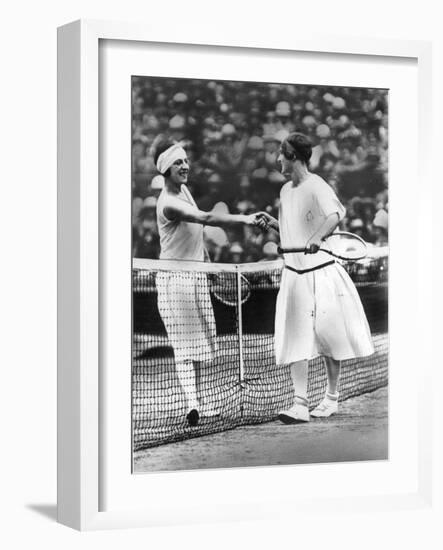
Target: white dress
{"x":183,"y":296}
{"x":318,"y":312}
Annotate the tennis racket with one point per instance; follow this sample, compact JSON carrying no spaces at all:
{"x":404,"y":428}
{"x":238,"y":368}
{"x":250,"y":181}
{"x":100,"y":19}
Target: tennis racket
{"x":341,"y":245}
{"x":225,"y":287}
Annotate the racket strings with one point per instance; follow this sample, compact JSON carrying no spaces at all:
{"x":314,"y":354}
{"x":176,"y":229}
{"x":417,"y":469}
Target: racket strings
{"x":346,"y":246}
{"x":229,"y":289}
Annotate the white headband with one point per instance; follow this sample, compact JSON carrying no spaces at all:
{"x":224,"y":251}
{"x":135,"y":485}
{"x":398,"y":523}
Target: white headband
{"x":168,"y":157}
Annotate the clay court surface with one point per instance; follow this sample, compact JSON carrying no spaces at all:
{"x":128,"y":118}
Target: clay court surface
{"x":358,"y":432}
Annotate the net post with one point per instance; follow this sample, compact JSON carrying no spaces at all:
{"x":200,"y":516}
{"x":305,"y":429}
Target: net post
{"x":240,"y":327}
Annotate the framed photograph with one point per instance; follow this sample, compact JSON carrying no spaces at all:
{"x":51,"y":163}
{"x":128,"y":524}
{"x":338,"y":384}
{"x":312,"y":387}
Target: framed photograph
{"x":235,"y":260}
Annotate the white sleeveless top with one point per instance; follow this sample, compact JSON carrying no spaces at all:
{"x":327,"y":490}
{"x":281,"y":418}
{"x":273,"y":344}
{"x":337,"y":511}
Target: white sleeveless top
{"x":303,"y":209}
{"x":179,"y":240}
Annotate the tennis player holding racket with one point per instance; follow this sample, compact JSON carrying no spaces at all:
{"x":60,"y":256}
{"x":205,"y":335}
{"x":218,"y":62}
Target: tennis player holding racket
{"x":318,"y":312}
{"x":183,"y":298}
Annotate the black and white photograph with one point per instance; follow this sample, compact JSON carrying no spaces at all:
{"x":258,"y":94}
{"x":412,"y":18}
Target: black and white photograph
{"x":259,"y":274}
{"x":223,"y":326}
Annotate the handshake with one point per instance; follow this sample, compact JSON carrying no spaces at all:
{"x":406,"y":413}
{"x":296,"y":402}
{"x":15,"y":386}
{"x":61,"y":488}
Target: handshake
{"x":262,"y":220}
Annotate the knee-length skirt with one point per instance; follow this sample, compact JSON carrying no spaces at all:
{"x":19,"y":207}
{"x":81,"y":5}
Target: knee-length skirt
{"x":185,"y":307}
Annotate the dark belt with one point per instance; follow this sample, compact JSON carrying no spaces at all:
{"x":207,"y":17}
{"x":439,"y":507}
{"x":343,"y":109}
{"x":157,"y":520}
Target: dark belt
{"x":301,"y":271}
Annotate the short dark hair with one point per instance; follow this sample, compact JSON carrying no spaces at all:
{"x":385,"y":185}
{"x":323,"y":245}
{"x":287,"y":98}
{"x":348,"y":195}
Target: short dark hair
{"x":160,"y":148}
{"x":297,"y":146}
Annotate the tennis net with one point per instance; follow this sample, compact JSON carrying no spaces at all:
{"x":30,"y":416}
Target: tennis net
{"x":222,"y":318}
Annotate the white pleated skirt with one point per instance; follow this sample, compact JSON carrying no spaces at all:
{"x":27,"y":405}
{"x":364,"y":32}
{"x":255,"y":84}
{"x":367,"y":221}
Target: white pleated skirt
{"x":186,"y":310}
{"x":320,"y":313}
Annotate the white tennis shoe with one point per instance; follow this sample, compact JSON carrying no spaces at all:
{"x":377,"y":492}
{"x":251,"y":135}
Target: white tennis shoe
{"x":325,"y":408}
{"x":296,"y":414}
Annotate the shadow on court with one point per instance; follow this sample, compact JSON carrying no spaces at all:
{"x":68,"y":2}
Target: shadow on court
{"x":358,"y":432}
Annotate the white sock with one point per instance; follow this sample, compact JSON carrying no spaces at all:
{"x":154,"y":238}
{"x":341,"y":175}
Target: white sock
{"x":332,"y":396}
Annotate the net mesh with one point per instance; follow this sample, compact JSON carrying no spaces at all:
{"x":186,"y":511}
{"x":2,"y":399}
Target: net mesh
{"x":189,"y":344}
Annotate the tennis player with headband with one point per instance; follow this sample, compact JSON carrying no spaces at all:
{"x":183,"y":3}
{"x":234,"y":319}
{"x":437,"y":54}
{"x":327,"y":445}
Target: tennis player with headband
{"x":183,"y":298}
{"x":318,"y":311}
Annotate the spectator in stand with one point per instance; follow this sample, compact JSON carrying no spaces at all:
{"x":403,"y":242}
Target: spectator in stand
{"x":216,"y":242}
{"x":253,"y":237}
{"x":147,"y":244}
{"x":213,"y":192}
{"x":358,"y":227}
{"x":244,"y":202}
{"x":367,"y":214}
{"x":380,"y":224}
{"x":271,"y":146}
{"x":236,"y":253}
{"x":270,"y":127}
{"x":252,"y":253}
{"x":270,"y":251}
{"x":283,"y":119}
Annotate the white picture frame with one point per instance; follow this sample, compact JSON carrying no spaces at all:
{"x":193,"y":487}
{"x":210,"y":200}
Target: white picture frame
{"x":79,"y":256}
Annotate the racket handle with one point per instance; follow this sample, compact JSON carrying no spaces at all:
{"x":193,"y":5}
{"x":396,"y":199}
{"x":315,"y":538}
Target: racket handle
{"x":281,"y":250}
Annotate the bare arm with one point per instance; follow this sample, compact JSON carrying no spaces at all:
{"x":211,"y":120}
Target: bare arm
{"x":183,"y":213}
{"x":326,"y":228}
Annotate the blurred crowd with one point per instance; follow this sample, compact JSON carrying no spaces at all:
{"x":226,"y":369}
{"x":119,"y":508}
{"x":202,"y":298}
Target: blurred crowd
{"x":232,"y":132}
